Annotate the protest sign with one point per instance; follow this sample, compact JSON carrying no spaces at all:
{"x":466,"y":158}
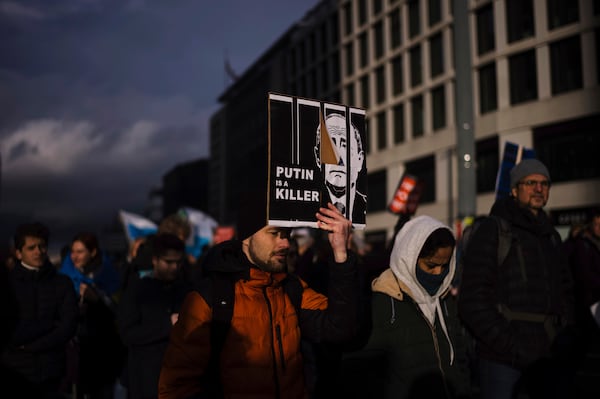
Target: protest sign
{"x":311,"y":163}
{"x":513,"y":154}
{"x":406,"y":197}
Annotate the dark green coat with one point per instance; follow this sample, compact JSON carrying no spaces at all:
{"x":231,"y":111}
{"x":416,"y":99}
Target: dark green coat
{"x":417,"y":354}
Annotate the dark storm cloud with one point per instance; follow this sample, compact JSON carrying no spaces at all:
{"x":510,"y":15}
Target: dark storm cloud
{"x":100,"y":98}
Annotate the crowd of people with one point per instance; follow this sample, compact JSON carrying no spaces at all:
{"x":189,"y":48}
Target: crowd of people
{"x":309,"y":312}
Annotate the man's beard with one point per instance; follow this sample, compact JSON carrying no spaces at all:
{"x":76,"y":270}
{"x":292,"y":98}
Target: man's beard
{"x":270,"y":265}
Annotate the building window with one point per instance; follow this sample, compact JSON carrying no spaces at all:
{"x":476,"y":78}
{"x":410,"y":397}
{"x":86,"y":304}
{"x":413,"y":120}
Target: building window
{"x":364,"y":88}
{"x":565,"y":65}
{"x":598,"y":53}
{"x":395,"y":28}
{"x":312,"y":47}
{"x":323,"y":38}
{"x":381,"y":131}
{"x":414,"y":18}
{"x":335,"y":62}
{"x":348,"y":18}
{"x":417,"y":116}
{"x":416,"y":77}
{"x":570,"y":149}
{"x":324,"y":76}
{"x":487,"y":88}
{"x":377,"y":191}
{"x":486,"y":164}
{"x":523,"y":77}
{"x":379,"y":41}
{"x":561,"y":13}
{"x":334,"y":30}
{"x":399,"y":124}
{"x":377,"y":6}
{"x":362,"y":12}
{"x":397,"y":79}
{"x":292,"y":61}
{"x":314,"y":83}
{"x":436,"y":55}
{"x":350,"y":95}
{"x":302,"y":55}
{"x":349,"y":50}
{"x":363,"y":44}
{"x":486,"y":37}
{"x":435,"y":12}
{"x":424,"y":169}
{"x":380,"y":84}
{"x":519,"y":19}
{"x":438,"y":107}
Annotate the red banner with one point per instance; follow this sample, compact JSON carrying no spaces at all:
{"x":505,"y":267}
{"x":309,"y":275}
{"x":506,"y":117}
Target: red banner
{"x":406,"y":198}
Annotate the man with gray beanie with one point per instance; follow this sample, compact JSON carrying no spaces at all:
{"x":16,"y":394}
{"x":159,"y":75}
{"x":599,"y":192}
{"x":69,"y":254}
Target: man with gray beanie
{"x":517,"y":305}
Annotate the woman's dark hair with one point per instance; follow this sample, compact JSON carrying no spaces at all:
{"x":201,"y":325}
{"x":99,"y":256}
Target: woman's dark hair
{"x":440,"y":238}
{"x":89,"y":241}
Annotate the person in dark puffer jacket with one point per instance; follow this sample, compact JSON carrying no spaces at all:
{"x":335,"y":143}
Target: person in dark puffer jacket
{"x":518,"y":311}
{"x":33,"y":361}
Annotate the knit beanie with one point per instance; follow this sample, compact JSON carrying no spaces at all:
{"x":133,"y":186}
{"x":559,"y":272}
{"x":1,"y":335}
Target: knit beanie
{"x":525,"y":168}
{"x":252,"y":213}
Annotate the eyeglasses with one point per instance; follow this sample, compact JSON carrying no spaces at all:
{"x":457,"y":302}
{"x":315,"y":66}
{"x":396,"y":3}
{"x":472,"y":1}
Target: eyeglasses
{"x":533,"y":183}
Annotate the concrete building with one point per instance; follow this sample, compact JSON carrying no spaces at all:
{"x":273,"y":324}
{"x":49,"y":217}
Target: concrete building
{"x":535,"y":68}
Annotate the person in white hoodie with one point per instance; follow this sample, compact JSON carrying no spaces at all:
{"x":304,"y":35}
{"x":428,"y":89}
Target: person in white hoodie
{"x":414,"y":327}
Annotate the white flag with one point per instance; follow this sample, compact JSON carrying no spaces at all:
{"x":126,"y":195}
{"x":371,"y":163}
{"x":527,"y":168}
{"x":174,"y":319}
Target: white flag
{"x":203,"y":227}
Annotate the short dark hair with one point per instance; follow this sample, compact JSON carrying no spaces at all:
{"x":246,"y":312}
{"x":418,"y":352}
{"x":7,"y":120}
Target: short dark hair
{"x":164,"y":242}
{"x":35,"y":229}
{"x":440,"y":238}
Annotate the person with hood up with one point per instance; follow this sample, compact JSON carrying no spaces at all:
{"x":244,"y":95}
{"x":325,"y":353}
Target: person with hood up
{"x":415,"y":327}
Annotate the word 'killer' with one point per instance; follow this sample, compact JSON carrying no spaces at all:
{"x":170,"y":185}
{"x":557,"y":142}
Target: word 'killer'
{"x":297,"y":195}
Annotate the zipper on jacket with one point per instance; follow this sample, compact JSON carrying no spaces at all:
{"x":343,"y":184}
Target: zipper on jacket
{"x":436,"y":346}
{"x":280,"y":342}
{"x":273,"y":355}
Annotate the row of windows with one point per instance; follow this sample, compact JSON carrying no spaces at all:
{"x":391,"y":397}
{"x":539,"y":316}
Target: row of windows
{"x":520,"y":21}
{"x":566,"y":73}
{"x":567,"y":148}
{"x":434,"y":16}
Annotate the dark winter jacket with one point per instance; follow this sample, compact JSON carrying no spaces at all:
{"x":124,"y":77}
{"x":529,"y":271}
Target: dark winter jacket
{"x":585,"y":264}
{"x":534,"y":279}
{"x":416,"y":333}
{"x":101,"y":351}
{"x":144,"y":319}
{"x":47,"y":319}
{"x":261,"y":356}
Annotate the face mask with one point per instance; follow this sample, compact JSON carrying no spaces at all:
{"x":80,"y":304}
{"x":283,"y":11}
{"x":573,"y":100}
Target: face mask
{"x":431,"y":282}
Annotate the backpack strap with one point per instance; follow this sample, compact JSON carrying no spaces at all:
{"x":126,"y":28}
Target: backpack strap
{"x":218,"y":291}
{"x":504,"y":238}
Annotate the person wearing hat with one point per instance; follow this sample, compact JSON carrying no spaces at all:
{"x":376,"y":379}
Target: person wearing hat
{"x":260,"y":356}
{"x":517,"y":311}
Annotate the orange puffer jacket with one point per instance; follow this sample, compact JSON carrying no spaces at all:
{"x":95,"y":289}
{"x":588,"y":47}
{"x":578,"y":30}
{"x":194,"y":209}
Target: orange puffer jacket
{"x":261,"y":356}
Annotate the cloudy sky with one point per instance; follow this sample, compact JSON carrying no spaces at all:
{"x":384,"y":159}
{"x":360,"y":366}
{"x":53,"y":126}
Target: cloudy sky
{"x":99,"y":98}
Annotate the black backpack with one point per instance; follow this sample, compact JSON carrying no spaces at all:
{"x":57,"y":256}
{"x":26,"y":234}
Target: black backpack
{"x":505,"y":237}
{"x":218,"y":291}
